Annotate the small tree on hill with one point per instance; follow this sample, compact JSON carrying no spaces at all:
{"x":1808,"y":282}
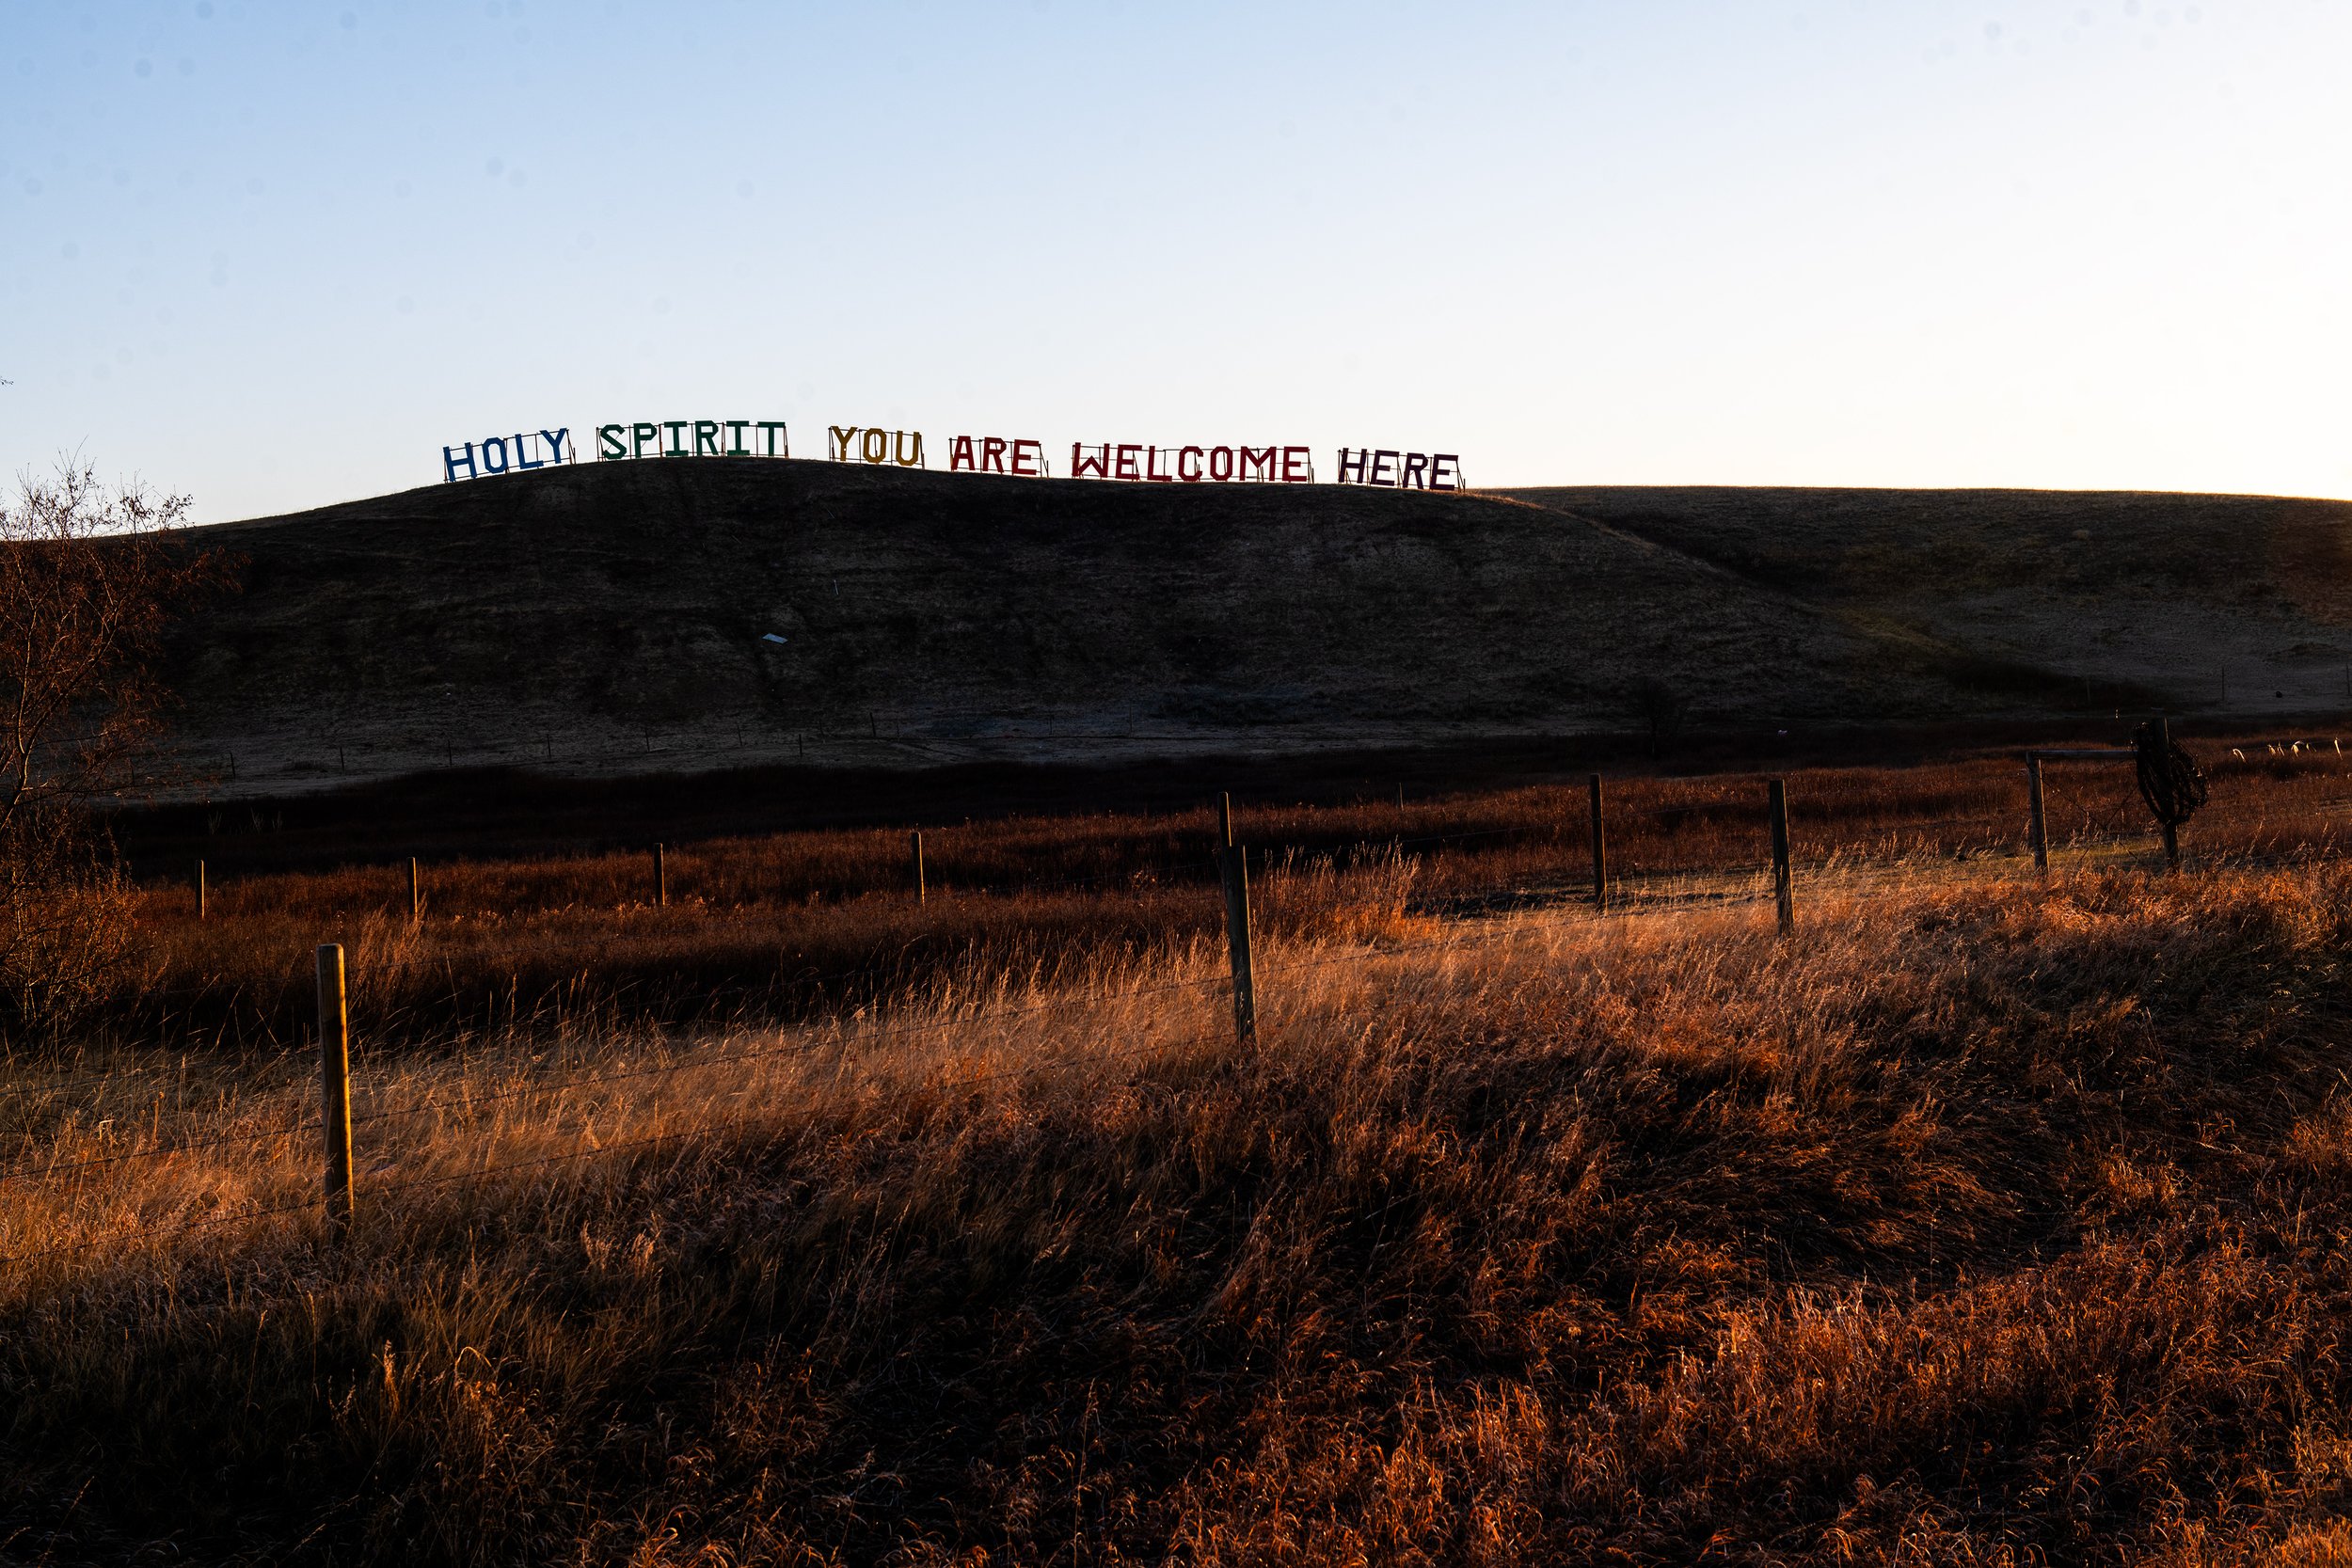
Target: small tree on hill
{"x":88,"y":582}
{"x":1661,"y":709}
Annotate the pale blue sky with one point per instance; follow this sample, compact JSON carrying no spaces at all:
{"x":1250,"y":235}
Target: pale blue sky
{"x":276,"y":254}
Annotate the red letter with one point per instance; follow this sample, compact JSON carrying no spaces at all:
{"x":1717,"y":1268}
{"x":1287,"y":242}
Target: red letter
{"x":1080,"y":468}
{"x":959,"y":454}
{"x":1151,"y":470}
{"x":1195,"y":476}
{"x":1259,"y":458}
{"x":1023,"y":464}
{"x":1126,"y":468}
{"x":992,"y":455}
{"x":1298,"y":465}
{"x":1438,"y":477}
{"x":1380,"y":466}
{"x":1221,"y":464}
{"x":1416,"y":472}
{"x":1355,"y":465}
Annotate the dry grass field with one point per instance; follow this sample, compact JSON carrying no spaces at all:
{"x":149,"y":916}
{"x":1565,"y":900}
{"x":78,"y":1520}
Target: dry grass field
{"x":1985,"y":1219}
{"x":785,"y":927}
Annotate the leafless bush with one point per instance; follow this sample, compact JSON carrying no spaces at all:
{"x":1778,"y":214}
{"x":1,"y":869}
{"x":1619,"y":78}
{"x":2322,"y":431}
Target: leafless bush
{"x":89,"y":579}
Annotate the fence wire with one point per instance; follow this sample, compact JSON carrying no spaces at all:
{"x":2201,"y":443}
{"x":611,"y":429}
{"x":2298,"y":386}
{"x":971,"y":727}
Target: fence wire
{"x":1626,"y":899}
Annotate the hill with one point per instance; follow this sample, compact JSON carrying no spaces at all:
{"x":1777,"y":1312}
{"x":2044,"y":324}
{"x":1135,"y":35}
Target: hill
{"x":609,"y":617}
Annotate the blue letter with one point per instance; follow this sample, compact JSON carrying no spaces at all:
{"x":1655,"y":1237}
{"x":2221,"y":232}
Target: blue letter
{"x":449,"y":461}
{"x":554,"y":438}
{"x":499,"y":442}
{"x":523,"y":458}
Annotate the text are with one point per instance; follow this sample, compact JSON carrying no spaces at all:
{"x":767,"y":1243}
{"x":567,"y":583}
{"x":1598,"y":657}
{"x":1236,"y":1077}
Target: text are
{"x":994,"y":454}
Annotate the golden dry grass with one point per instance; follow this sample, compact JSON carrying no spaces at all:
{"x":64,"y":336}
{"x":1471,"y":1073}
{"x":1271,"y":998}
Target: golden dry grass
{"x":803,"y":925}
{"x":1985,"y":1221}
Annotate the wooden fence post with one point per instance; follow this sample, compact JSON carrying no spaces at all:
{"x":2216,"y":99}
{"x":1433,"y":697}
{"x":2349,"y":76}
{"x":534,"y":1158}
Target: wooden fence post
{"x":2160,"y":743}
{"x":1234,"y":862}
{"x":1777,"y":795}
{"x":202,"y":891}
{"x":915,"y":843}
{"x":335,"y":1087}
{"x":661,"y":878}
{"x":416,"y":894}
{"x":1600,"y":851}
{"x":2037,"y":821}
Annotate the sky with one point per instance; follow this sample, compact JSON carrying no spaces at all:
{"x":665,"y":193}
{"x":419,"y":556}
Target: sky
{"x":275,"y":255}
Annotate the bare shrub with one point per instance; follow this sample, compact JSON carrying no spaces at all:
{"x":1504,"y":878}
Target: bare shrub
{"x":89,"y":579}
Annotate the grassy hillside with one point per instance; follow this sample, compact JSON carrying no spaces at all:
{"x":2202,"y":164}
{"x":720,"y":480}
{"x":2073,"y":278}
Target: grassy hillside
{"x":2205,"y":603}
{"x":600,"y":617}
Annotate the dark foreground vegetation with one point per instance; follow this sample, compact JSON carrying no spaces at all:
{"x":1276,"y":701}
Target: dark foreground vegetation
{"x":1976,"y":1223}
{"x":1986,"y":1219}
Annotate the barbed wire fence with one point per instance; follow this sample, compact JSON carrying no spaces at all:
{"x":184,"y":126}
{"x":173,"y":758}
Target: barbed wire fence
{"x":846,"y":1039}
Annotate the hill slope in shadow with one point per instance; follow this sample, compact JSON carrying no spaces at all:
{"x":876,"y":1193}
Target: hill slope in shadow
{"x":605,"y":618}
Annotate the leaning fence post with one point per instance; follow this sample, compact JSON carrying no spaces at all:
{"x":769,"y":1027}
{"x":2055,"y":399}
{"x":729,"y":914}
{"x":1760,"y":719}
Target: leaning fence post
{"x":335,"y":1087}
{"x":1236,"y":866}
{"x":1777,"y":794}
{"x":661,"y":879}
{"x":1600,"y":852}
{"x":915,"y":844}
{"x":2037,"y":822}
{"x":202,"y":891}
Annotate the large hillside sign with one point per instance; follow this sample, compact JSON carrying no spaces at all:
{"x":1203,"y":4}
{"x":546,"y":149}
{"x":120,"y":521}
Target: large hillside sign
{"x":1015,"y":457}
